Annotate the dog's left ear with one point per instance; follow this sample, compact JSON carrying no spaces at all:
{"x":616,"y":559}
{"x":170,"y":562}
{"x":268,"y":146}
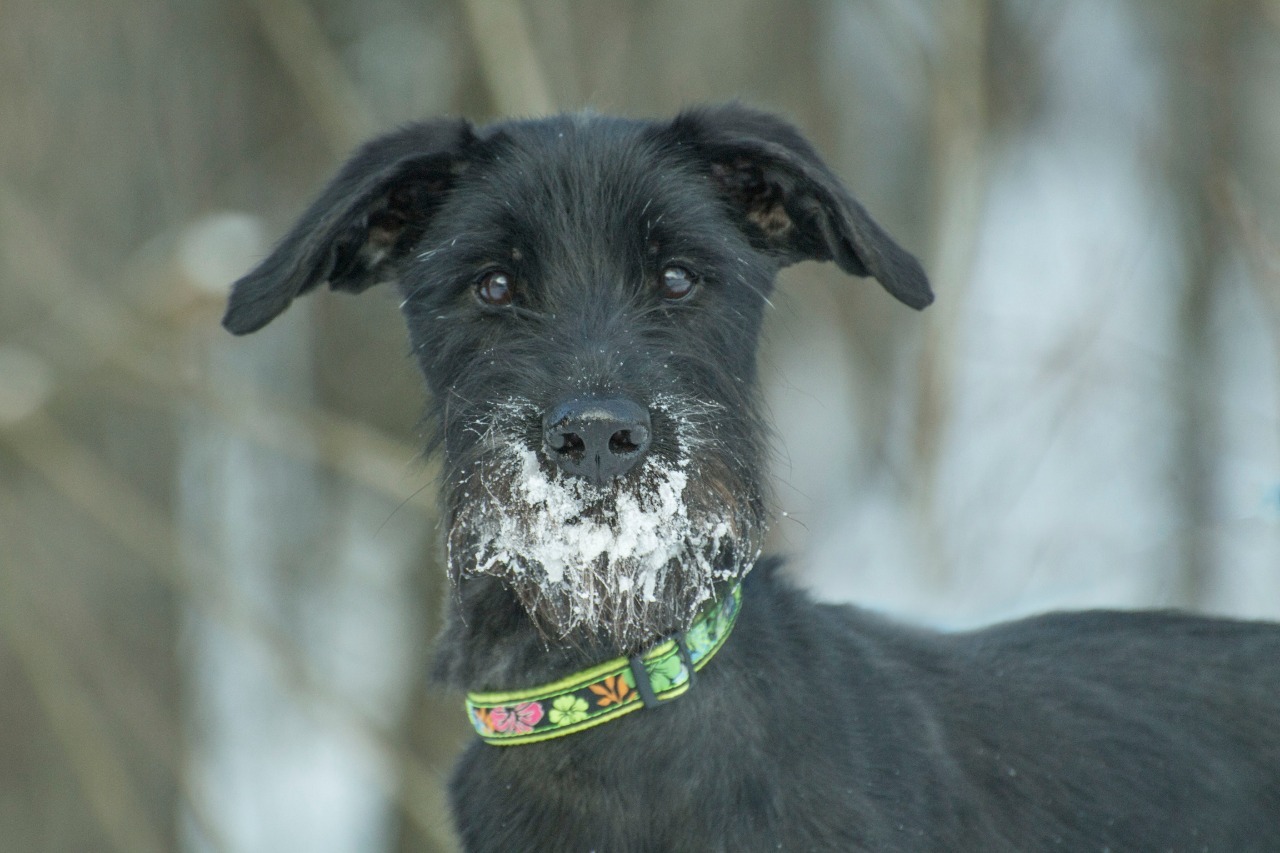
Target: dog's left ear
{"x":359,"y":231}
{"x":790,"y":203}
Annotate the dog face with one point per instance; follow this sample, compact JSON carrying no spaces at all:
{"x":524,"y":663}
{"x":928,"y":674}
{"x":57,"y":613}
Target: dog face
{"x":584,"y":297}
{"x":590,"y":274}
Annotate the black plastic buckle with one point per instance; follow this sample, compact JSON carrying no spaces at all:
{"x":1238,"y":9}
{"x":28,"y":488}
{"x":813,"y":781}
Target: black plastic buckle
{"x":640,"y":673}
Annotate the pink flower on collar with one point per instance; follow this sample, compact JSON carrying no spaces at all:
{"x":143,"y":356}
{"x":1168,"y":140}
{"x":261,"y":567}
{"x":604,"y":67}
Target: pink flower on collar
{"x":520,"y":720}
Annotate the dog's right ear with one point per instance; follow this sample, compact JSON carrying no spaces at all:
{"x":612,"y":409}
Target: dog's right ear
{"x":360,"y":230}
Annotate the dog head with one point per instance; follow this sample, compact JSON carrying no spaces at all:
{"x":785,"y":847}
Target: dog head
{"x":584,"y":296}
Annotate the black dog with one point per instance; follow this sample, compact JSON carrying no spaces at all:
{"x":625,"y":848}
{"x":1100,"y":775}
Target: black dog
{"x":584,"y":295}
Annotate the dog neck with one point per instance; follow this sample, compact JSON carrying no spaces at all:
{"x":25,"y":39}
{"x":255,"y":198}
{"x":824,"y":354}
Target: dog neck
{"x":490,"y":643}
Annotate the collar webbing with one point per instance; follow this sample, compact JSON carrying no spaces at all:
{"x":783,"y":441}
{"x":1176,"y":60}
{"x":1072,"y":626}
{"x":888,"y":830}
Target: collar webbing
{"x":608,"y":690}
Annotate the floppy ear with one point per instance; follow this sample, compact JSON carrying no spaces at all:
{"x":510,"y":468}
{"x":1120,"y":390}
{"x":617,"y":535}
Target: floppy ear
{"x":789,"y":203}
{"x":361,"y":228}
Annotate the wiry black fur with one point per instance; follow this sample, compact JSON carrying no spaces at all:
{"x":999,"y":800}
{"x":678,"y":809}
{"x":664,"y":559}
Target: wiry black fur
{"x":815,"y":727}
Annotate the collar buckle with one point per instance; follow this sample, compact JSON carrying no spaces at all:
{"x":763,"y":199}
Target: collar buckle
{"x":644,"y":682}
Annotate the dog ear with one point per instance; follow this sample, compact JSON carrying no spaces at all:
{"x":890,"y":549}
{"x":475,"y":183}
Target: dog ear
{"x":790,"y":203}
{"x":361,"y":228}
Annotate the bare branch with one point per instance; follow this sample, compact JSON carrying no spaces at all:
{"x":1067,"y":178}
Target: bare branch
{"x":96,"y":762}
{"x":512,"y":72}
{"x":291,"y":28}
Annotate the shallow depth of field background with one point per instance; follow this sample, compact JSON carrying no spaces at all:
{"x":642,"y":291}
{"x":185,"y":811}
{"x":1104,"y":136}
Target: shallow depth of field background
{"x":219,"y":558}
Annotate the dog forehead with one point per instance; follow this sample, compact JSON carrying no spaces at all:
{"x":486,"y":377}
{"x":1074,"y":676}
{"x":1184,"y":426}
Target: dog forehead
{"x":589,"y":148}
{"x":582,"y":172}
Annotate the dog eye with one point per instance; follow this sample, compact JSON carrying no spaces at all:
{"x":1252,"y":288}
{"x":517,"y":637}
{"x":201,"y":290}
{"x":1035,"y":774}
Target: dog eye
{"x":677,"y":282}
{"x":496,"y":288}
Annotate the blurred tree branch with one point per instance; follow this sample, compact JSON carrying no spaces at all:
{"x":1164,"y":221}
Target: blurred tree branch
{"x":109,"y":332}
{"x":512,"y":72}
{"x":305,"y":52}
{"x":63,"y":612}
{"x":1203,"y":123}
{"x":89,"y":749}
{"x":119,"y":509}
{"x":959,"y":117}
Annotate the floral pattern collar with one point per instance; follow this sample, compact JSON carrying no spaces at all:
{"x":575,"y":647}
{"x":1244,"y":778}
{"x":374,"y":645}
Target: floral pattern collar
{"x":608,"y":690}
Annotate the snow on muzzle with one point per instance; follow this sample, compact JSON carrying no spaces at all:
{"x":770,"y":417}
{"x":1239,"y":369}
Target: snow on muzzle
{"x":638,"y":555}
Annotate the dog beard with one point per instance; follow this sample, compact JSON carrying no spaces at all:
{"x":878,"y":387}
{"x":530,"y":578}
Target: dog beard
{"x":632,"y":560}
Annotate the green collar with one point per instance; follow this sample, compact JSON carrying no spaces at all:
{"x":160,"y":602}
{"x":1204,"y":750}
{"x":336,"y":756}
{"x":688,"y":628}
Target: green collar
{"x":608,"y":690}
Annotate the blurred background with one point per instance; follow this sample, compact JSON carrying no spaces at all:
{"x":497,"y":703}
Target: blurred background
{"x":219,"y":558}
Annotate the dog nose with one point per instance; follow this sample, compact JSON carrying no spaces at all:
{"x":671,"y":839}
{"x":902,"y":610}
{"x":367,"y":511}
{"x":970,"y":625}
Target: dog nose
{"x":596,"y":438}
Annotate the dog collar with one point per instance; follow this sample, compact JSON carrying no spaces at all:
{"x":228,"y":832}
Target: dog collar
{"x":608,"y":690}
